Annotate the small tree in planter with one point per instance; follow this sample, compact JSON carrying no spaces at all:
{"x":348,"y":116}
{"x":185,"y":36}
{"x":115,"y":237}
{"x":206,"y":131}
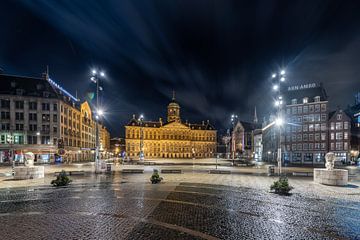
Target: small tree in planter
{"x":155,"y":177}
{"x":61,"y":180}
{"x":281,"y":186}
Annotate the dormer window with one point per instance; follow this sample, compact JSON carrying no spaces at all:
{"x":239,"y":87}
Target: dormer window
{"x":294,"y":101}
{"x":317,"y":99}
{"x":38,"y":86}
{"x":19,"y":92}
{"x":46,"y":94}
{"x":305,"y":100}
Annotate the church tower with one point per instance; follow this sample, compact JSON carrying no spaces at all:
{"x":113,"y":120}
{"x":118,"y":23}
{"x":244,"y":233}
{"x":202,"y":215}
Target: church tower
{"x":173,"y":113}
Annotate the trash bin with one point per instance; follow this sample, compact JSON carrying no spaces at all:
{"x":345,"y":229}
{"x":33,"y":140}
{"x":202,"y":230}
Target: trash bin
{"x":271,"y":170}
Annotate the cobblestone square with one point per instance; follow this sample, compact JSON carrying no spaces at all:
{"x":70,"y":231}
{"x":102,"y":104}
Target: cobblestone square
{"x":129,"y":207}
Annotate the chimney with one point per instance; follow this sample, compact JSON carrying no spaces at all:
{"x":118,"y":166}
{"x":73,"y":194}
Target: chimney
{"x":160,"y":120}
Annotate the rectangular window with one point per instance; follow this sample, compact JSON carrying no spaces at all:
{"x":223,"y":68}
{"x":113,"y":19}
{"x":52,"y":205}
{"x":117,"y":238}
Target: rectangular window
{"x":294,"y":110}
{"x":346,"y":125}
{"x":33,"y":105}
{"x":5,"y":115}
{"x":299,"y":110}
{"x":19,"y":127}
{"x":332,"y":136}
{"x":339,"y":136}
{"x":311,"y":127}
{"x":338,"y":117}
{"x":323,"y":127}
{"x":317,"y":127}
{"x":55,"y":108}
{"x":332,"y":146}
{"x":323,"y":146}
{"x":32,"y":139}
{"x":5,"y":126}
{"x":45,"y":140}
{"x":46,"y":118}
{"x":323,"y":107}
{"x":305,"y":137}
{"x":33,"y":127}
{"x":311,"y":146}
{"x":54,"y":117}
{"x":339,"y":145}
{"x":32,"y":116}
{"x":323,"y":136}
{"x":311,"y":108}
{"x":293,"y":138}
{"x":19,"y":104}
{"x":323,"y":117}
{"x":311,"y":137}
{"x":345,"y":146}
{"x":332,"y":126}
{"x":305,"y":146}
{"x":308,"y":157}
{"x":338,"y":125}
{"x":317,"y":108}
{"x":5,"y":103}
{"x":317,"y":137}
{"x":293,"y":146}
{"x":305,"y":128}
{"x":299,"y":137}
{"x":317,"y":117}
{"x":346,"y":136}
{"x":306,"y":109}
{"x":46,"y":106}
{"x":299,"y":146}
{"x":19,"y":116}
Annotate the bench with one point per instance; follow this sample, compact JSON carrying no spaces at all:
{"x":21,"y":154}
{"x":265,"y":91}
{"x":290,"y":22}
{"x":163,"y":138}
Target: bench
{"x":71,"y":173}
{"x":220,"y":172}
{"x":132,"y":171}
{"x":303,"y":174}
{"x":170,"y":170}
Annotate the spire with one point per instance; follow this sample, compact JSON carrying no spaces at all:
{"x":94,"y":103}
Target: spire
{"x":255,"y":116}
{"x":173,"y":97}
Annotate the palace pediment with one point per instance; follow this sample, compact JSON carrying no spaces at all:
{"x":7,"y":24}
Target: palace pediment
{"x":175,"y":125}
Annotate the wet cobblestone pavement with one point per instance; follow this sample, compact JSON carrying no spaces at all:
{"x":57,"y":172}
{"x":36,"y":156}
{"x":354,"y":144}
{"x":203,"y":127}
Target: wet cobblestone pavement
{"x":116,"y":209}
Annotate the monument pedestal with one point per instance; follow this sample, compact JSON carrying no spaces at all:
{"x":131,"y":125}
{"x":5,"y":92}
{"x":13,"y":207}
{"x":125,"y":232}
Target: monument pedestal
{"x":27,"y":172}
{"x":335,"y":177}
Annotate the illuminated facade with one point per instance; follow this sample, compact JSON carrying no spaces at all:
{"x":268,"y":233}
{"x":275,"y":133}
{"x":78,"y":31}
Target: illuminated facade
{"x":39,"y":116}
{"x":173,"y":139}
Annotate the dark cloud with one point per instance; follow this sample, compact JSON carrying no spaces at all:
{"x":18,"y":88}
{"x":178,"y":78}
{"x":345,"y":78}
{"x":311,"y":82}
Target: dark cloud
{"x":217,"y":55}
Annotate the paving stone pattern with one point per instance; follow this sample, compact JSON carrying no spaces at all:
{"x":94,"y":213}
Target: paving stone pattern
{"x":129,"y":210}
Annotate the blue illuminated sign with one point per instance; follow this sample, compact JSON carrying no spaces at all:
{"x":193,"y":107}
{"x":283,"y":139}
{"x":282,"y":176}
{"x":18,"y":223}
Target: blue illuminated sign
{"x":62,"y":90}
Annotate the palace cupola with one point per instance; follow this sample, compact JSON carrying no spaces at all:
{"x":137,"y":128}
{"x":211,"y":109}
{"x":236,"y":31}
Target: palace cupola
{"x":173,"y":113}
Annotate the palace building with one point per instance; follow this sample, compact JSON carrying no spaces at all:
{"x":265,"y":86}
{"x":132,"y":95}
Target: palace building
{"x":170,"y":139}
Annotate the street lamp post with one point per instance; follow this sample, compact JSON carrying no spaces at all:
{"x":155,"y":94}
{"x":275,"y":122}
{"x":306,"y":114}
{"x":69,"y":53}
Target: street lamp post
{"x":278,"y":79}
{"x":96,"y":79}
{"x":141,"y":155}
{"x":232,"y":137}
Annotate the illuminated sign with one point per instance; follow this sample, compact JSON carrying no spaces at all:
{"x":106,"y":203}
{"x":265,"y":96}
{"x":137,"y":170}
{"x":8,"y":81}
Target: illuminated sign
{"x":302,"y":86}
{"x":62,"y":90}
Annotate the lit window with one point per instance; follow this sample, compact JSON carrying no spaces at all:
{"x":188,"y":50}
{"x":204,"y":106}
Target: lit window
{"x":305,"y":100}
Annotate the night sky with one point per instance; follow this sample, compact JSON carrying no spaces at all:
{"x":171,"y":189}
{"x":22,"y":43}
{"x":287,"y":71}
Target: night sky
{"x":217,"y":55}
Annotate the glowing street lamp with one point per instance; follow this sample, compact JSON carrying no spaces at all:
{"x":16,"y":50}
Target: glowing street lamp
{"x":141,"y":120}
{"x":275,"y":87}
{"x":96,"y":79}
